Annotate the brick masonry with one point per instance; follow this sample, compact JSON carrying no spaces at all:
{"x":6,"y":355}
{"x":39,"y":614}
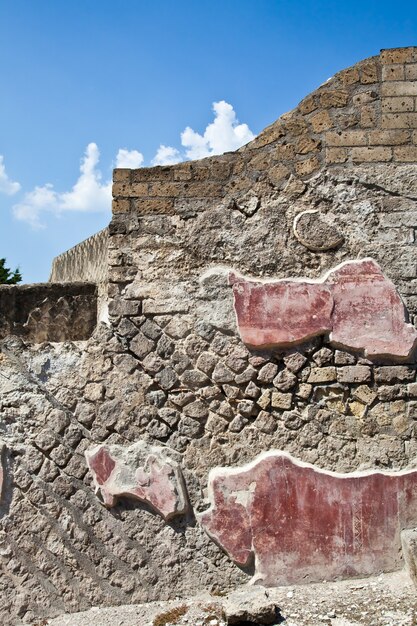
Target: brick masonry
{"x":171,"y":369}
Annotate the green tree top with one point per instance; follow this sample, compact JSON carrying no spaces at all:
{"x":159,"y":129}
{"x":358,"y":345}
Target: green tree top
{"x":7,"y":277}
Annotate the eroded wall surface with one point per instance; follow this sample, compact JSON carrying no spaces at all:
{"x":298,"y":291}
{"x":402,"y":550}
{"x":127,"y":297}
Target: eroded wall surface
{"x":331,"y":182}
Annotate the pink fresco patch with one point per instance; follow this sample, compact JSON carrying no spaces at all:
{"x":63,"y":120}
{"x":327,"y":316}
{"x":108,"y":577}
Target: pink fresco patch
{"x":139,"y":471}
{"x":355,"y":303}
{"x":303,"y":524}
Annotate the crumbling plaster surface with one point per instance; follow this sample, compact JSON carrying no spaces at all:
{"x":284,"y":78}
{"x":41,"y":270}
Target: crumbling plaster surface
{"x":171,"y":369}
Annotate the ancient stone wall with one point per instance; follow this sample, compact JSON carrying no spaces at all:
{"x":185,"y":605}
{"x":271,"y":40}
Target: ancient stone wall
{"x":48,"y":312}
{"x":323,"y":201}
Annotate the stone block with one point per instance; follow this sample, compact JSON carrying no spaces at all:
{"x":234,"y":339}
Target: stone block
{"x":321,"y":121}
{"x":347,"y":138}
{"x":368,"y":73}
{"x":336,"y":155}
{"x":411,"y":71}
{"x":393,"y":72}
{"x":394,"y":374}
{"x":322,"y":375}
{"x":306,"y":167}
{"x":354,"y":374}
{"x":388,"y":137}
{"x":265,"y":422}
{"x":334,"y":98}
{"x":398,"y":105}
{"x":281,"y":400}
{"x":405,"y":154}
{"x":364,"y":393}
{"x":371,"y":154}
{"x":398,"y":55}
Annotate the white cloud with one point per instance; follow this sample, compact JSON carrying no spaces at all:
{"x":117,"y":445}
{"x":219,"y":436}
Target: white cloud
{"x":7,"y":186}
{"x":166,"y":155}
{"x":132,"y":159}
{"x":88,"y":194}
{"x":223,"y":135}
{"x":91,"y":194}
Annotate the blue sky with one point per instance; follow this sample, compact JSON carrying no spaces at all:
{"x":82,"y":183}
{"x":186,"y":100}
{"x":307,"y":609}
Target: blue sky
{"x":132,"y":75}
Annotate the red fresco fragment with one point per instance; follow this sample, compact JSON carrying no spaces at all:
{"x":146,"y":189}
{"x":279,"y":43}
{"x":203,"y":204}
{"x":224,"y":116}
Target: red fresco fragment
{"x":158,"y":480}
{"x":303,"y":524}
{"x":354,"y":302}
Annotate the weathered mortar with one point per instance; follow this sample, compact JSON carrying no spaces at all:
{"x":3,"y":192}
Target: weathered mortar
{"x":171,"y":367}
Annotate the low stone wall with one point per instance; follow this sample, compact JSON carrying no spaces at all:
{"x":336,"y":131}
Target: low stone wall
{"x":48,"y":312}
{"x":87,"y":261}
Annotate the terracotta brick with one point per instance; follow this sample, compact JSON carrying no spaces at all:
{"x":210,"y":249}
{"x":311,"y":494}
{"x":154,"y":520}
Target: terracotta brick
{"x":130,"y":190}
{"x":399,"y":120}
{"x":121,"y":175}
{"x":307,"y":144}
{"x":349,"y":76}
{"x":406,"y":154}
{"x":284,"y":152}
{"x":169,"y":190}
{"x":411,"y":72}
{"x":398,"y":55}
{"x":153,"y":206}
{"x":368,"y":116}
{"x":120,"y":205}
{"x":369,"y":73}
{"x":145,"y":174}
{"x":393,"y":72}
{"x":321,"y":121}
{"x":269,"y":135}
{"x":203,"y":190}
{"x":399,"y":88}
{"x":361,"y":155}
{"x":335,"y":98}
{"x":303,"y":168}
{"x":295,"y":124}
{"x":394,"y":105}
{"x":388,"y":137}
{"x":307,"y":105}
{"x":347,"y":138}
{"x":336,"y":155}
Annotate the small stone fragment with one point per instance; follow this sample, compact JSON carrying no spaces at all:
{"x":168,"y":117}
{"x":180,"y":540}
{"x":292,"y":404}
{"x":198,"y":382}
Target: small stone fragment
{"x":194,"y":378}
{"x":324,"y":356}
{"x":394,"y":374}
{"x":304,"y":391}
{"x":222,"y":374}
{"x":252,"y":391}
{"x":248,"y":374}
{"x":267,"y":373}
{"x":216,"y":424}
{"x":197,"y":410}
{"x":265,"y":400}
{"x":357,"y":408}
{"x":265,"y":422}
{"x":206,"y":362}
{"x":364,"y":394}
{"x":285,"y":380}
{"x":322,"y":375}
{"x":246,"y":407}
{"x":294,"y":362}
{"x":238,"y":423}
{"x":344,"y":358}
{"x":141,"y":345}
{"x":281,"y":400}
{"x":354,"y":374}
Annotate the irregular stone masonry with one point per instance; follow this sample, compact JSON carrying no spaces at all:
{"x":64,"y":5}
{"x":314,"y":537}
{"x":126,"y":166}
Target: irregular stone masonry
{"x":171,"y":369}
